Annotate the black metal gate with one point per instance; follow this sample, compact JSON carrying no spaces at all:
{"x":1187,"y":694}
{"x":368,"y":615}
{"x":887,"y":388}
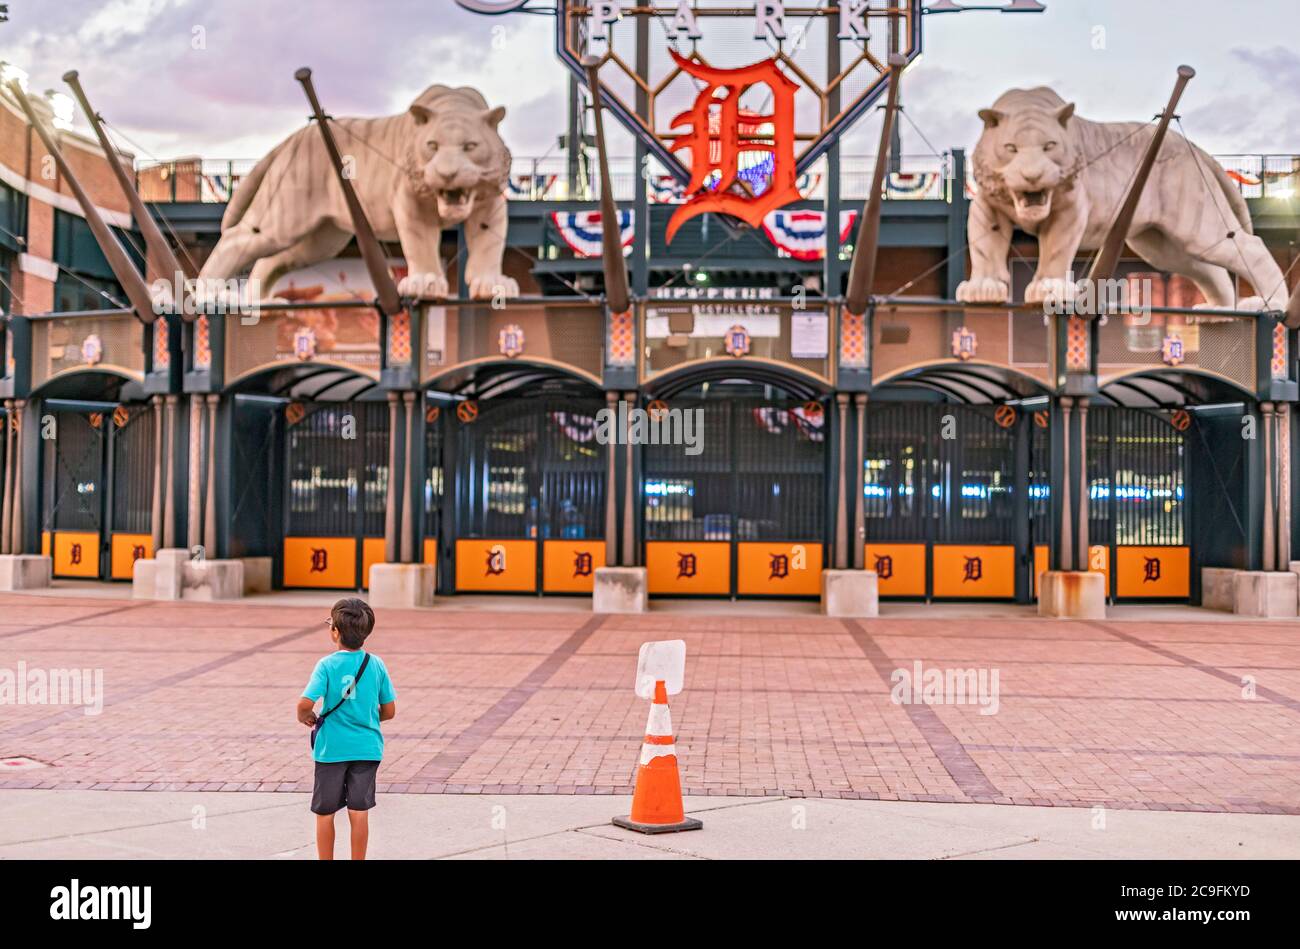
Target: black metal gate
{"x":73,"y":486}
{"x":131,"y":475}
{"x":1218,"y":494}
{"x":435,"y":480}
{"x":738,"y":504}
{"x":947,"y":498}
{"x":256,"y":467}
{"x":335,"y":492}
{"x":1137,"y":501}
{"x":529,"y":485}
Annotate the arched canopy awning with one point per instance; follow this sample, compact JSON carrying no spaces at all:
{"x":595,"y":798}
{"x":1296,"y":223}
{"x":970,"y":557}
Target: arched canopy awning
{"x":101,"y":384}
{"x":1168,"y":388}
{"x":974,"y":383}
{"x":309,"y":381}
{"x":486,"y":379}
{"x":800,"y":385}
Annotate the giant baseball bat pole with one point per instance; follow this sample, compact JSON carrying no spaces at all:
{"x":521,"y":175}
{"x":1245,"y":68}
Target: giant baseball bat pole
{"x":617,"y":295}
{"x":1103,"y":267}
{"x":161,"y":258}
{"x":371,"y":252}
{"x":136,"y":290}
{"x":862,"y":272}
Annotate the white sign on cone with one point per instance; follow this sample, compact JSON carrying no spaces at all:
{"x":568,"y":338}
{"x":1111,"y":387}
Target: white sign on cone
{"x":661,"y":661}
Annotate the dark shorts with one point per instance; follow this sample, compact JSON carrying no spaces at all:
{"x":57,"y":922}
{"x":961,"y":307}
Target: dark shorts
{"x":341,"y":784}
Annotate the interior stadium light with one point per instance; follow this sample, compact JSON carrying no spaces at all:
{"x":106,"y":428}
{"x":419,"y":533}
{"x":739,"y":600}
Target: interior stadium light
{"x":701,"y":277}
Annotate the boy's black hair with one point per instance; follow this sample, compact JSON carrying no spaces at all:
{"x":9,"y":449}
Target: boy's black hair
{"x":354,"y":619}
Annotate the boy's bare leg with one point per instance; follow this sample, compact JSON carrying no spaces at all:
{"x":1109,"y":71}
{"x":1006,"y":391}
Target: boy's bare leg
{"x":360,"y":821}
{"x":325,"y":836}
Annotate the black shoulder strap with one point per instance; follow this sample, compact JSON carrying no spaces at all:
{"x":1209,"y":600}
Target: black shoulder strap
{"x":350,"y":690}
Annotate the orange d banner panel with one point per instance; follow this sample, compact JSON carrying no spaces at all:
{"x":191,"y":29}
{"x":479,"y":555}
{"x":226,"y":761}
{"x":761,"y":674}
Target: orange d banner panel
{"x":431,"y":552}
{"x":372,"y":552}
{"x":569,"y":566}
{"x":1153,"y":572}
{"x":76,"y":554}
{"x":900,"y":568}
{"x":1042,"y":562}
{"x":689,"y":567}
{"x":127,"y":549}
{"x":981,"y":572}
{"x":328,"y":562}
{"x":496,"y":566}
{"x":779,"y":569}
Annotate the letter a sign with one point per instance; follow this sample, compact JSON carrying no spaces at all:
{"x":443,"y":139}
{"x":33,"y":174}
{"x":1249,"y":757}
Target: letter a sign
{"x":715,"y":183}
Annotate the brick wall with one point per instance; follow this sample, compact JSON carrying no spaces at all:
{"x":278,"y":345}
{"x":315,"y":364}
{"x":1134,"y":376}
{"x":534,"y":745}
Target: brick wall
{"x":24,"y":156}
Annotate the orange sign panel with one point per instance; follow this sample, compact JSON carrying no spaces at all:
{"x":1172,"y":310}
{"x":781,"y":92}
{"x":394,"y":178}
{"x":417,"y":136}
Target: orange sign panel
{"x":900,"y":568}
{"x":126,"y":550}
{"x":1042,"y":562}
{"x":569,"y":566}
{"x":372,"y":552}
{"x":688,"y":567}
{"x":779,"y":569}
{"x":982,"y":572}
{"x":328,"y":562}
{"x":1153,"y":571}
{"x":496,"y":566}
{"x":431,"y":551}
{"x":45,"y":544}
{"x":76,"y":554}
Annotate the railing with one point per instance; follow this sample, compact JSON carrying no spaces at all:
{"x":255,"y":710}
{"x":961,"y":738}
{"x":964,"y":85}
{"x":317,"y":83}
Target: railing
{"x":547,"y":179}
{"x":191,"y":179}
{"x":1264,"y":176}
{"x":1256,"y":176}
{"x":927,"y":177}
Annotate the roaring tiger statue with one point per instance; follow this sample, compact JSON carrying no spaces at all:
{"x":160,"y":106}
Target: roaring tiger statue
{"x":438,"y":164}
{"x":1062,"y":178}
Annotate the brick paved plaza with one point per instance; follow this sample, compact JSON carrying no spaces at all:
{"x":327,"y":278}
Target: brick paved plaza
{"x":1131,"y":714}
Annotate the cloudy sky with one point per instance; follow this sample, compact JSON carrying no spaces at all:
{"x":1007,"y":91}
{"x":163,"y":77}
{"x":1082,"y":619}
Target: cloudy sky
{"x":214,"y":77}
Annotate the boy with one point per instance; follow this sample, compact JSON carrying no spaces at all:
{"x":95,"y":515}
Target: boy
{"x":349,"y":745}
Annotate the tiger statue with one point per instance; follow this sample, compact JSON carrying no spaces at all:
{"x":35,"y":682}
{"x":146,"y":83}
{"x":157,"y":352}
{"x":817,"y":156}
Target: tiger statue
{"x":1062,"y":178}
{"x":438,"y":164}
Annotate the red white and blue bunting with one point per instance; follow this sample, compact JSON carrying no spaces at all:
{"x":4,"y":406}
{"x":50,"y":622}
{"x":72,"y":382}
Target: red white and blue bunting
{"x":576,"y":426}
{"x":913,"y":184}
{"x":802,"y":234}
{"x":530,"y":187}
{"x":807,"y":183}
{"x":581,"y":230}
{"x":665,"y":189}
{"x":809,"y":420}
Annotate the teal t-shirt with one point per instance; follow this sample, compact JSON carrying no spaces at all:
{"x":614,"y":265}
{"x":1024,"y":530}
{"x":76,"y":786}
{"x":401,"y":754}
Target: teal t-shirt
{"x":352,"y":733}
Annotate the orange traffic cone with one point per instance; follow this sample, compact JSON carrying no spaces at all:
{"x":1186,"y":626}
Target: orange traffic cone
{"x":657,"y":800}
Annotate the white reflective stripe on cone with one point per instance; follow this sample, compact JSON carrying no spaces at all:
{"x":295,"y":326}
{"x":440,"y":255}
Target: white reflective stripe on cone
{"x":649,"y":752}
{"x":659,"y":722}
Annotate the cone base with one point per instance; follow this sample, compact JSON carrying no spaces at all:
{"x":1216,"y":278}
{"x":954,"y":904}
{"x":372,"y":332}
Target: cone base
{"x":689,"y":823}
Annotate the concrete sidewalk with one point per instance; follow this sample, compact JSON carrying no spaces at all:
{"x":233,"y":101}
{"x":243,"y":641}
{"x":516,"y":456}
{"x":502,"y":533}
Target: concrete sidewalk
{"x":249,"y":825}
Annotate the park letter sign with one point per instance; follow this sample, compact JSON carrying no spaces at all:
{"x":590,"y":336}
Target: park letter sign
{"x":735,"y":101}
